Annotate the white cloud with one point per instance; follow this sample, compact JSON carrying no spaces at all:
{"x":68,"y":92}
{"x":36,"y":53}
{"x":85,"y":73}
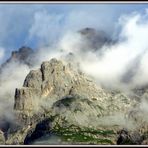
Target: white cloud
{"x":118,"y":60}
{"x":45,"y":26}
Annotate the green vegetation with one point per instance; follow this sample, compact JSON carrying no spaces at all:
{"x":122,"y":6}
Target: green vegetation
{"x":77,"y":135}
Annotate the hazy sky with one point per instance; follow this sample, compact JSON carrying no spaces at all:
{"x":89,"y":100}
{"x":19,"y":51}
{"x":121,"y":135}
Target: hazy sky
{"x":38,"y":24}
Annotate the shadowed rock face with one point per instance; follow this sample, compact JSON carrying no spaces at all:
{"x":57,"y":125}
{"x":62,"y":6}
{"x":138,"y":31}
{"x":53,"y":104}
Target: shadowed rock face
{"x":127,"y":138}
{"x":40,"y":130}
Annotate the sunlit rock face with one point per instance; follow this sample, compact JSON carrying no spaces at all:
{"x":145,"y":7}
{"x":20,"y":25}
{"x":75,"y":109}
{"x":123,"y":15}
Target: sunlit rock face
{"x":56,"y":80}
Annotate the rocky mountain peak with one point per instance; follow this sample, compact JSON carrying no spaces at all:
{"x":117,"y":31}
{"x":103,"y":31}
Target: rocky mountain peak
{"x":22,"y":55}
{"x":54,"y":79}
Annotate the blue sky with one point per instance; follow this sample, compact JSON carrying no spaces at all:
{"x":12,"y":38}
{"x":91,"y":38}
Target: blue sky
{"x":35,"y":25}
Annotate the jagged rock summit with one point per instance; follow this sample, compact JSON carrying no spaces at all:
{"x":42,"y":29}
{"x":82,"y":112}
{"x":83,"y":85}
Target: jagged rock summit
{"x":56,"y":80}
{"x":58,"y":90}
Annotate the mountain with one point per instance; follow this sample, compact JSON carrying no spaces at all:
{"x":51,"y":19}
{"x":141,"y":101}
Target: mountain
{"x":58,"y":99}
{"x":23,"y":55}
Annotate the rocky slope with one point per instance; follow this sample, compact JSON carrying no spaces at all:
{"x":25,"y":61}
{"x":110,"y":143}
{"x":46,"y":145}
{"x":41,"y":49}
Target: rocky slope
{"x":60,"y":99}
